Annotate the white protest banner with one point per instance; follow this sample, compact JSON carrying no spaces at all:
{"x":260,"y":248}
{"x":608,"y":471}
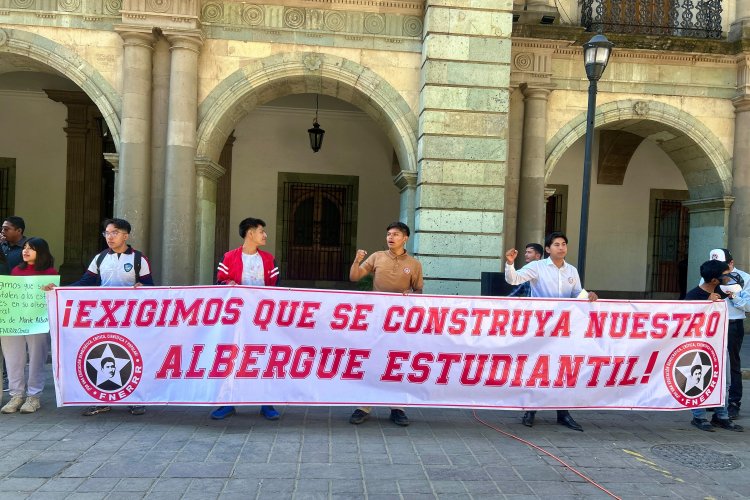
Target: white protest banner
{"x":247,"y":345}
{"x":23,"y":306}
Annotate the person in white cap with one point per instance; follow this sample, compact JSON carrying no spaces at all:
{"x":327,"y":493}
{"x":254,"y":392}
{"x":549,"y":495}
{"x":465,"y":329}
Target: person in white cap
{"x":738,"y":303}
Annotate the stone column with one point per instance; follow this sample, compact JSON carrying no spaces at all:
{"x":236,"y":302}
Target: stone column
{"x":133,"y":193}
{"x":462,"y":143}
{"x":160,"y":93}
{"x":178,"y":235}
{"x":513,"y":175}
{"x":709,"y":220}
{"x":739,"y":220}
{"x":406,"y":182}
{"x":208,"y":173}
{"x":531,"y":208}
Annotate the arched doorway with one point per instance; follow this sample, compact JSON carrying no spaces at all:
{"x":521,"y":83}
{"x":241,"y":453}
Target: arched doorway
{"x":59,"y":124}
{"x":660,"y":190}
{"x":381,"y":136}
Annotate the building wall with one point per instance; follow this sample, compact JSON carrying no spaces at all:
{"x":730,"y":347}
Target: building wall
{"x":274,"y":139}
{"x":618,"y":252}
{"x":31,"y":131}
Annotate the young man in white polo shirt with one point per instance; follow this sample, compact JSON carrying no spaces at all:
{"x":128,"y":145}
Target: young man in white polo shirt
{"x":550,"y":277}
{"x":119,"y":265}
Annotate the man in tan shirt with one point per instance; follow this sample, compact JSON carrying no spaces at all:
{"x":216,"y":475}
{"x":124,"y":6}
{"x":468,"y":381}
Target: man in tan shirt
{"x":394,"y":271}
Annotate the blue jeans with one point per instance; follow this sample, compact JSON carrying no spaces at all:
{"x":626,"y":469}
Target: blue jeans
{"x":719,"y":411}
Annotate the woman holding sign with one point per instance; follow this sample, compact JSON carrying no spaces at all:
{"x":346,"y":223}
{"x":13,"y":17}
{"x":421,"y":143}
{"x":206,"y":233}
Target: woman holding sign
{"x":37,"y":260}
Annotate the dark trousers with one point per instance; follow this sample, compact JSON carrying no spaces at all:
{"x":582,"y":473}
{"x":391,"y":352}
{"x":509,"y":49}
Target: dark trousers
{"x":734,"y":343}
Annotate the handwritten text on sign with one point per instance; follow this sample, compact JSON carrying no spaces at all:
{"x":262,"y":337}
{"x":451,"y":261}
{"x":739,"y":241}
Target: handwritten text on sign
{"x":246,"y":345}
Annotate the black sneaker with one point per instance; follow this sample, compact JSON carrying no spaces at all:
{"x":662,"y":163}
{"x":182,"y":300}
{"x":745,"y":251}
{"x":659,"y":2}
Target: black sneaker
{"x":95,"y":410}
{"x":398,"y":417}
{"x":358,"y":417}
{"x":734,"y":411}
{"x":137,"y":410}
{"x":727,"y":424}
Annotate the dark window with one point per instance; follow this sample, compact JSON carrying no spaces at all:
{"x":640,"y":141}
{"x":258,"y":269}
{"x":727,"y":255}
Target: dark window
{"x":316,"y":244}
{"x":7,"y":187}
{"x":669,"y":258}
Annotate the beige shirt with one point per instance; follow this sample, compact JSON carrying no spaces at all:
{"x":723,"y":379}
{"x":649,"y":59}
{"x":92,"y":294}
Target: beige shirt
{"x":395,"y":274}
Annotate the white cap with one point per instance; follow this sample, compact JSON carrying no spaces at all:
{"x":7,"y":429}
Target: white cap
{"x":718,"y":254}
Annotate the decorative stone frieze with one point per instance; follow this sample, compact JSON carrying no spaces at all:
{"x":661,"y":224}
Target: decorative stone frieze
{"x":243,"y":16}
{"x":166,"y":14}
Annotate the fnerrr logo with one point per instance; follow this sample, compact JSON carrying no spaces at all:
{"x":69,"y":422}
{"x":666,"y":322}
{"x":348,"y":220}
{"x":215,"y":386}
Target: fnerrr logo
{"x":109,"y":367}
{"x":692,"y":373}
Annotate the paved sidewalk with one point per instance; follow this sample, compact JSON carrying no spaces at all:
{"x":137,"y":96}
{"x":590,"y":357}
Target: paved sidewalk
{"x":313,"y":452}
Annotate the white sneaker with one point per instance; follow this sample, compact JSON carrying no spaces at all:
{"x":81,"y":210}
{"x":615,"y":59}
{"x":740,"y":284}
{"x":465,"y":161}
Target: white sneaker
{"x":13,"y":405}
{"x":31,"y":405}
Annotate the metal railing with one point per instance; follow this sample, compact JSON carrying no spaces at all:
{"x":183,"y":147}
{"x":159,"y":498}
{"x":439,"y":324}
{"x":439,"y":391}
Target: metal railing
{"x":687,"y":18}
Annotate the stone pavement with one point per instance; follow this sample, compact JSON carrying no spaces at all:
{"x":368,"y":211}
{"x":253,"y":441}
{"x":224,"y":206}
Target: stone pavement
{"x":313,"y":452}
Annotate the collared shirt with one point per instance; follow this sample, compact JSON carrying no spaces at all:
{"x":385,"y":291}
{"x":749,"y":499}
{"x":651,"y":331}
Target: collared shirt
{"x":546,"y":279}
{"x":394,"y":273}
{"x":13,"y":252}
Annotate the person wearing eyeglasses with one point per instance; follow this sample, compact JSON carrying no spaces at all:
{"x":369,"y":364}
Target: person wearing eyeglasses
{"x":119,"y":265}
{"x":13,"y":240}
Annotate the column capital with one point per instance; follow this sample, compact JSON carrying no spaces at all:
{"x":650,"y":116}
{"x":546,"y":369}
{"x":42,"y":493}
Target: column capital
{"x":741,"y":103}
{"x":136,"y":36}
{"x":208,"y":169}
{"x":188,"y":39}
{"x":114,"y":160}
{"x":405,"y":179}
{"x":536,"y":91}
{"x":709,"y":204}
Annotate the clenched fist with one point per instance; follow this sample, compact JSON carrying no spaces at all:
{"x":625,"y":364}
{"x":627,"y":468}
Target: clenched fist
{"x":510,"y":256}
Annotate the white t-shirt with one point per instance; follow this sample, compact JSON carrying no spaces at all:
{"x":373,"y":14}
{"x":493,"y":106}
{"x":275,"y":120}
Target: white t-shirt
{"x":252,"y":270}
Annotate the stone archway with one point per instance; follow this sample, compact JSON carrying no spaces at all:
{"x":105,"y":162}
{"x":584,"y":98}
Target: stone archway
{"x":295,"y":73}
{"x":72,"y":66}
{"x":702,"y":160}
{"x":266,"y":79}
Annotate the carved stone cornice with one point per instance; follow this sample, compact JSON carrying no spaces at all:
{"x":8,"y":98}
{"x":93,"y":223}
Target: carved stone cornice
{"x":633,"y":56}
{"x":185,"y":39}
{"x":135,"y":35}
{"x":165,"y":14}
{"x":208,"y":169}
{"x":114,"y":160}
{"x":371,"y":18}
{"x":709,"y":204}
{"x":405,"y":179}
{"x":531,"y":61}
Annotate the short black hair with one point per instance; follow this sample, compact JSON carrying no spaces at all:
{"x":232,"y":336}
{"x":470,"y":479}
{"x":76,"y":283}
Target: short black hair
{"x":713,"y":269}
{"x":120,"y":224}
{"x":108,"y":360}
{"x":553,"y":236}
{"x":17,"y":222}
{"x":536,"y":247}
{"x":400,"y":226}
{"x":727,"y":255}
{"x":44,"y":259}
{"x":248,"y":224}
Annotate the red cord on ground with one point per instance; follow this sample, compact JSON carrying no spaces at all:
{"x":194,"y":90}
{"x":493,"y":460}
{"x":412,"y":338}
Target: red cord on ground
{"x":542,"y":450}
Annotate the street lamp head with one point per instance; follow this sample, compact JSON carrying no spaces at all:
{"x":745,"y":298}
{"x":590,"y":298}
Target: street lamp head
{"x":596,"y":56}
{"x":316,"y":136}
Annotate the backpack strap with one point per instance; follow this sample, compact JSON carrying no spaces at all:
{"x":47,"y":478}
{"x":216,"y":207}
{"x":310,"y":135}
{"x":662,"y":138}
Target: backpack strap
{"x":137,"y":256}
{"x":100,"y":259}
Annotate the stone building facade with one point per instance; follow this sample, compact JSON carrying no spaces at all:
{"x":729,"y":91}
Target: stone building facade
{"x":463,"y":118}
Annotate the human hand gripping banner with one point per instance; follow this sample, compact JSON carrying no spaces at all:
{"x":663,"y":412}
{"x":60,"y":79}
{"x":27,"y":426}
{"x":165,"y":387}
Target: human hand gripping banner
{"x":263,"y":345}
